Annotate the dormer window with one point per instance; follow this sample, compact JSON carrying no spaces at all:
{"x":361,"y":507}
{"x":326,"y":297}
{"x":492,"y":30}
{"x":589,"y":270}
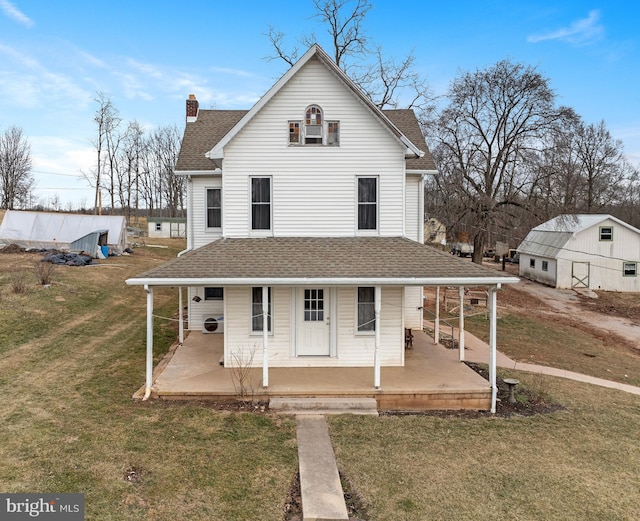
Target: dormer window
{"x":314,"y":129}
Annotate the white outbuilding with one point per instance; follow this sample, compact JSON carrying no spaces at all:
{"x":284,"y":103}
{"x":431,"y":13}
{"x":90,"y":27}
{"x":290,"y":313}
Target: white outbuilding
{"x":594,"y":251}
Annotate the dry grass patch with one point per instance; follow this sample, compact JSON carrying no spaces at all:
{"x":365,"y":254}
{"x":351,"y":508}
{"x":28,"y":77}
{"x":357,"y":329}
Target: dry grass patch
{"x":577,"y":464}
{"x":71,"y":356}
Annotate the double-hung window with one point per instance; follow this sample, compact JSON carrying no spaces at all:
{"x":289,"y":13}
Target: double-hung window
{"x":367,"y":203}
{"x":630,"y":269}
{"x":256,"y":310}
{"x":606,"y":233}
{"x":366,"y":309}
{"x":260,"y":203}
{"x":214,"y":208}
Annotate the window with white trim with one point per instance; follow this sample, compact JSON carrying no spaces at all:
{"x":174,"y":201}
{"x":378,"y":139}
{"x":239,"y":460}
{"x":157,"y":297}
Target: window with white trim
{"x":214,"y":208}
{"x":256,"y":310}
{"x":366,"y":309}
{"x":367,"y":203}
{"x":260,"y":203}
{"x":158,"y":227}
{"x":630,"y":269}
{"x":606,"y":233}
{"x":314,"y":129}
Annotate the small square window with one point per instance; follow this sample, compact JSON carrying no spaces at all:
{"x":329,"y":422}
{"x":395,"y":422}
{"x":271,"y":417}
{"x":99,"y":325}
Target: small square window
{"x":158,"y":227}
{"x":545,"y":266}
{"x":630,"y":269}
{"x":213,"y":293}
{"x":606,"y":233}
{"x":532,"y":263}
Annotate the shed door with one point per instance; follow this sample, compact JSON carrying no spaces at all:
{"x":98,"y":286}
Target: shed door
{"x":580,"y":274}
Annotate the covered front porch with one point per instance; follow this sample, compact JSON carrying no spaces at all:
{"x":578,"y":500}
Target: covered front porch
{"x":432,"y":378}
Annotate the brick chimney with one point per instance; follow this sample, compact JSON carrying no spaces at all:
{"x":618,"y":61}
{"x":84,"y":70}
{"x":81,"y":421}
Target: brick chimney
{"x":192,"y":108}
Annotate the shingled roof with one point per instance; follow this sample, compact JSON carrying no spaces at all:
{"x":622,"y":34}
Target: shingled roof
{"x":338,"y":260}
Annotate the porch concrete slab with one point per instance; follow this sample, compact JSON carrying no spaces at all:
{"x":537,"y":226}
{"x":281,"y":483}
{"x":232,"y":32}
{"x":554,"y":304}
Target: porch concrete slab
{"x":430,"y":370}
{"x":321,"y":491}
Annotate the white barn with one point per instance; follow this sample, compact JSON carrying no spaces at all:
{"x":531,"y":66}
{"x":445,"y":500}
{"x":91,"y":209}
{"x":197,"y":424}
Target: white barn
{"x":595,"y":251}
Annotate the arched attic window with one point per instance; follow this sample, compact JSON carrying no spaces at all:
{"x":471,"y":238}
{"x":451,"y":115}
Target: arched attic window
{"x":314,"y":130}
{"x":313,"y":125}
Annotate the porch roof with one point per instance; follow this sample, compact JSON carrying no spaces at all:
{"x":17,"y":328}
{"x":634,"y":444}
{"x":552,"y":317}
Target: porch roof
{"x":315,"y":260}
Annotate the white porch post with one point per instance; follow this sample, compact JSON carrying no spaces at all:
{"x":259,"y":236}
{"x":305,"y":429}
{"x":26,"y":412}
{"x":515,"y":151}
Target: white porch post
{"x":376,"y":355}
{"x":180,"y":317}
{"x":492,"y":346}
{"x":436,"y":323}
{"x":149,"y":365}
{"x":461,"y":323}
{"x":265,"y":336}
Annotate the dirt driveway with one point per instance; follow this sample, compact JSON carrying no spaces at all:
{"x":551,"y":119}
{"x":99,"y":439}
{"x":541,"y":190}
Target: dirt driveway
{"x":612,"y":313}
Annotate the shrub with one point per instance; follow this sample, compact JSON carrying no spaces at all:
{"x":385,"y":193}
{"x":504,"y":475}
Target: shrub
{"x":44,"y":272}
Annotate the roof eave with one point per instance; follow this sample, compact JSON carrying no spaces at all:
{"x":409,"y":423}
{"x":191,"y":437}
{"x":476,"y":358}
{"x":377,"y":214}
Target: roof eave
{"x":326,"y":281}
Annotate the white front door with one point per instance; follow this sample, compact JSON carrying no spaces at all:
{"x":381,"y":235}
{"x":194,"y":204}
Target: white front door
{"x":314,"y":337}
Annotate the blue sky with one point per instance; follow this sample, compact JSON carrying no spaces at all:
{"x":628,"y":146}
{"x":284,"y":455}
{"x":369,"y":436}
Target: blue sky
{"x":149,"y":56}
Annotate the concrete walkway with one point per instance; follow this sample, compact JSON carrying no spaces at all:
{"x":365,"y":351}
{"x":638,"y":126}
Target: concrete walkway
{"x":477,"y":351}
{"x":321,"y":491}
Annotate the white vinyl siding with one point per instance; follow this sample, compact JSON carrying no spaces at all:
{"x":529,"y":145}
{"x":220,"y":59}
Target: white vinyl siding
{"x":197,"y":214}
{"x":313,"y":187}
{"x":414,"y":226}
{"x":352,"y":350}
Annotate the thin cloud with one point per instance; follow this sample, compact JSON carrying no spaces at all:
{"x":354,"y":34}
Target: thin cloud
{"x":12,"y":11}
{"x":580,"y":32}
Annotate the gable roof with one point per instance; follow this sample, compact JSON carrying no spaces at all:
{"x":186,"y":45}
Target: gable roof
{"x":204,"y":139}
{"x":313,"y":260}
{"x":576,"y":223}
{"x":550,"y":238}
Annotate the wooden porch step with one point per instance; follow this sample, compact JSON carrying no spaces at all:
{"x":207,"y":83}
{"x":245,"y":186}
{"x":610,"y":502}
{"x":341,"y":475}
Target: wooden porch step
{"x":323,"y":405}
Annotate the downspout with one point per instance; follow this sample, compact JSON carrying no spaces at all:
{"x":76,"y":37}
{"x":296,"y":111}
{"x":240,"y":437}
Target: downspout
{"x":189,"y":217}
{"x":436,"y":324}
{"x":461,"y":323}
{"x":492,"y":346}
{"x":265,"y":336}
{"x":149,"y":378}
{"x":376,"y":354}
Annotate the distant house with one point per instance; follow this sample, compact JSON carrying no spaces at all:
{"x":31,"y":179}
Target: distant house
{"x":582,"y":251}
{"x":169,"y":227}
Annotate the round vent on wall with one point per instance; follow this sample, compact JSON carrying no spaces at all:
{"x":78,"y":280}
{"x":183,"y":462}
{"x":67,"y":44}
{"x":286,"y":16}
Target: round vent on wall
{"x":210,"y":325}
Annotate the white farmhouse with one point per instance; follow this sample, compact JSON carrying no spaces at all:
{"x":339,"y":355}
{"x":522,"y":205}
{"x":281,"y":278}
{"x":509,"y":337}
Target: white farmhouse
{"x":305,"y":226}
{"x":583,"y":251}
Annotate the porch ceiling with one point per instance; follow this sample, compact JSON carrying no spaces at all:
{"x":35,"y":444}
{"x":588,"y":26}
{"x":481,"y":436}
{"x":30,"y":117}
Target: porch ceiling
{"x":314,"y":260}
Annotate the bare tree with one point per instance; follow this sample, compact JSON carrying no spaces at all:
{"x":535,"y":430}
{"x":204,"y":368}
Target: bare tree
{"x":107,"y":120}
{"x":387,"y":82}
{"x":602,"y":167}
{"x":496,"y":118}
{"x":16,"y":180}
